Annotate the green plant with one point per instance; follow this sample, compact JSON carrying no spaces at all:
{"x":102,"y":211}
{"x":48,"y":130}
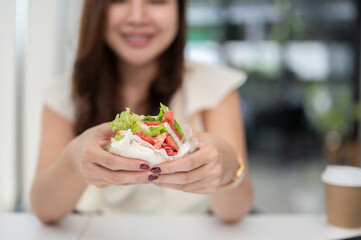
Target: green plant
{"x":331,"y":109}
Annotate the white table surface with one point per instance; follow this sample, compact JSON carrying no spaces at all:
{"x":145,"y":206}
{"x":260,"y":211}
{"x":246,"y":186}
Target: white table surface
{"x":26,"y":226}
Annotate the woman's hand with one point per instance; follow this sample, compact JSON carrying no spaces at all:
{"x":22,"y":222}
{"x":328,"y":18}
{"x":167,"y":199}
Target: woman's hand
{"x":214,"y":164}
{"x":101,"y":168}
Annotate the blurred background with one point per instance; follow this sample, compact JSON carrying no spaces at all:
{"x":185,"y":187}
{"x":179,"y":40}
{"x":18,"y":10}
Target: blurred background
{"x":300,"y":102}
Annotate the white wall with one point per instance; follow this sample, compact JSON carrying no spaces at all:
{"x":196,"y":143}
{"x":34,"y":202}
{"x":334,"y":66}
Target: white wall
{"x":40,"y":67}
{"x":7,"y":105}
{"x":51,"y":43}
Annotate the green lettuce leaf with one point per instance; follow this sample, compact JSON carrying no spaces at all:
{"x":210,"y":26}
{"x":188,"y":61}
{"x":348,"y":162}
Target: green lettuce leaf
{"x":155,"y":131}
{"x":163,"y":108}
{"x":118,"y":138}
{"x":178,"y":128}
{"x":149,"y":118}
{"x":137,"y":127}
{"x":124,"y":121}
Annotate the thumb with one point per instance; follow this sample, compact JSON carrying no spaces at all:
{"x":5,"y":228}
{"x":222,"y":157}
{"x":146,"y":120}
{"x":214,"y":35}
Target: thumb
{"x":104,"y":132}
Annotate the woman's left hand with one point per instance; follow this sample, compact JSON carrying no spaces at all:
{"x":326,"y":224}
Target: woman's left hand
{"x":204,"y":171}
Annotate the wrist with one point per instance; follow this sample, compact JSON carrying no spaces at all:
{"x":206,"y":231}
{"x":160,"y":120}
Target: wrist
{"x":231,"y":165}
{"x":71,"y":156}
{"x":73,"y":159}
{"x":238,"y":175}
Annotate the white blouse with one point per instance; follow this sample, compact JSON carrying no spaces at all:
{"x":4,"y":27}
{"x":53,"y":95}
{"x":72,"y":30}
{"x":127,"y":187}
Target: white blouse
{"x":204,"y":87}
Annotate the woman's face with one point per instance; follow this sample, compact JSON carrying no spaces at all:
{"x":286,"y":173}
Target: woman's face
{"x":138,"y":31}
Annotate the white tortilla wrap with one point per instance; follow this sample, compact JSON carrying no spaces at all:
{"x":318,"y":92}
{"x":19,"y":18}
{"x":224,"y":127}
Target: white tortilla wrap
{"x":132,"y":146}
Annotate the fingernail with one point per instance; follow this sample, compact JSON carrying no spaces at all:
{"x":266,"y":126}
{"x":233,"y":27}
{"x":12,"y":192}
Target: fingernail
{"x":152,"y":177}
{"x":144,"y":166}
{"x":155,"y":170}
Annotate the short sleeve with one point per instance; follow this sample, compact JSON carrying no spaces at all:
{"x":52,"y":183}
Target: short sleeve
{"x":57,"y":96}
{"x":206,"y":86}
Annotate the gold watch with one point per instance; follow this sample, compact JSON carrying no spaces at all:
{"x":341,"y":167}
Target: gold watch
{"x":239,"y":175}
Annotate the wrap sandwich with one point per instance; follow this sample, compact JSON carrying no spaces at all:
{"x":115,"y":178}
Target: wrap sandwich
{"x":155,"y":139}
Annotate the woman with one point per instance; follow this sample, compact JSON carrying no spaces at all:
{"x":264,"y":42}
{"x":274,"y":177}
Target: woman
{"x":130,"y":54}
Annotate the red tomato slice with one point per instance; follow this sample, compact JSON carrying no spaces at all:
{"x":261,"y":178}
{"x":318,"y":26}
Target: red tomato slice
{"x":168,"y":117}
{"x":150,"y":123}
{"x":171,"y":143}
{"x":144,"y":136}
{"x":159,"y":140}
{"x":170,"y":151}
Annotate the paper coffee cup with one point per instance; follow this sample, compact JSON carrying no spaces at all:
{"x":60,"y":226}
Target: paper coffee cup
{"x":343,"y":196}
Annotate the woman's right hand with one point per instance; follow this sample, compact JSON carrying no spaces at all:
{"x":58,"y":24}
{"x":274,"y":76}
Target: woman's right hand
{"x":101,"y":168}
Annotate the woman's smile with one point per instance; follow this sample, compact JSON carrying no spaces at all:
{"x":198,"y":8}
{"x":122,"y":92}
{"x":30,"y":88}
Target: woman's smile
{"x":137,"y":40}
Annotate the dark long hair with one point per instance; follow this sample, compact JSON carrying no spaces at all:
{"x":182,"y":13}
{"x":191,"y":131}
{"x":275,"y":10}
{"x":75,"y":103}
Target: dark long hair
{"x":95,"y":73}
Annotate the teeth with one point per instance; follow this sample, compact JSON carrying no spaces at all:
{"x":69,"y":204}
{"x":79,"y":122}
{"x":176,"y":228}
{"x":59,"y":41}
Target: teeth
{"x":137,"y":38}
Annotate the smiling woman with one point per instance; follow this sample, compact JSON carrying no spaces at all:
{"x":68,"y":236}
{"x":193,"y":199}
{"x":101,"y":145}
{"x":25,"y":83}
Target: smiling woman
{"x":109,"y":53}
{"x":130,"y":54}
{"x":138,"y":31}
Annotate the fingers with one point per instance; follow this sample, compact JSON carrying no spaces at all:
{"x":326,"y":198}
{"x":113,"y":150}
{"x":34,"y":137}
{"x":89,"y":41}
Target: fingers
{"x":101,"y":168}
{"x":105,"y":129}
{"x":110,"y":161}
{"x":205,"y":186}
{"x":104,"y":133}
{"x":200,"y":172}
{"x":116,"y":177}
{"x":185,"y":164}
{"x":205,"y":171}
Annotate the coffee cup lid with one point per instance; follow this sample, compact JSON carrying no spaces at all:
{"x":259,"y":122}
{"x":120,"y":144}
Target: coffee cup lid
{"x":342,"y":176}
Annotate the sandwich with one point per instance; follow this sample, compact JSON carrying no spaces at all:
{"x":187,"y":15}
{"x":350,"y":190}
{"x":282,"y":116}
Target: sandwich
{"x":155,"y":139}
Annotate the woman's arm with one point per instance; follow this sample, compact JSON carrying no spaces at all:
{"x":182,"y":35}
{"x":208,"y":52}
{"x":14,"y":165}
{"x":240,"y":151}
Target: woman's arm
{"x":214,"y":164}
{"x":226,"y":122}
{"x":58,"y":184}
{"x":66,"y":165}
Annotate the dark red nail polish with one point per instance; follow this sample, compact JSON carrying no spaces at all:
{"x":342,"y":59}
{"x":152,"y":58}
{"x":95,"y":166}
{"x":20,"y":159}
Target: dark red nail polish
{"x":144,"y":166}
{"x":155,"y":170}
{"x":152,"y":177}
